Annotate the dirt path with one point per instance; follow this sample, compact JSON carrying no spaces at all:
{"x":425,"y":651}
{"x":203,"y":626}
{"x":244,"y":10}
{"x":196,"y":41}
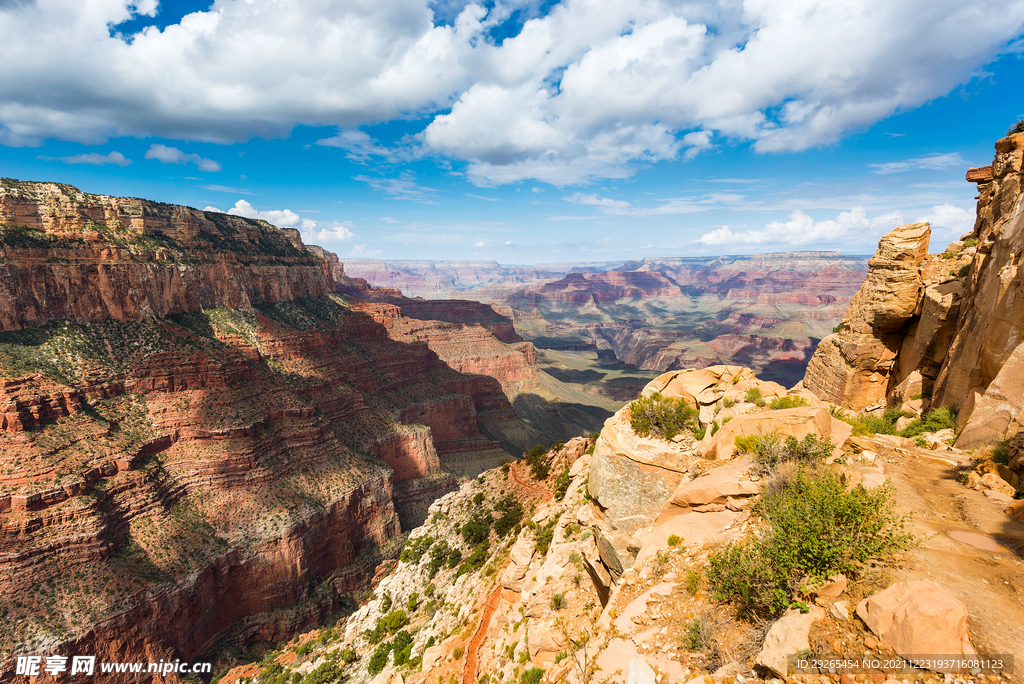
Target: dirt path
{"x":990,"y":582}
{"x":543,"y":492}
{"x":469,"y":674}
{"x":491,"y":605}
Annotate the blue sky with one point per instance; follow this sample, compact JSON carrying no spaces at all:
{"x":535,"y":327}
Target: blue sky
{"x":522,"y":131}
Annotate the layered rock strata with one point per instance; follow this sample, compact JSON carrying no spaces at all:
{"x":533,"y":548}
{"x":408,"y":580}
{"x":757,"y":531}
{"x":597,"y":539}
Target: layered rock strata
{"x":199,"y":442}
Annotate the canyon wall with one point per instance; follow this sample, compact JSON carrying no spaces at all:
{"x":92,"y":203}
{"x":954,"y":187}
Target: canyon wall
{"x":201,"y":443}
{"x":946,"y":327}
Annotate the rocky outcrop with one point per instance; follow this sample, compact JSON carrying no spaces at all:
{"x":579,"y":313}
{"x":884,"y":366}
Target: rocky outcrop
{"x":853,"y":368}
{"x":947,"y":325}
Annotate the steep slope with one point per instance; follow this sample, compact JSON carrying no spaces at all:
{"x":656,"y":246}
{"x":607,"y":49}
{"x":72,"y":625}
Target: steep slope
{"x":202,"y":445}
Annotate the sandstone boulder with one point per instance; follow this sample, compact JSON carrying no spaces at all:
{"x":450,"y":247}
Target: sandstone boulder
{"x":918,"y":617}
{"x":640,"y":672}
{"x":997,"y":484}
{"x":788,"y":636}
{"x":518,"y":564}
{"x":695,"y":529}
{"x":717,"y":486}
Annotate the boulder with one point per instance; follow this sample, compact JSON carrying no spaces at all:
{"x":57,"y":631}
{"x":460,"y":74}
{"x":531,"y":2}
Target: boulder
{"x":717,"y":486}
{"x":640,"y":672}
{"x":788,"y":636}
{"x":544,"y":640}
{"x":918,"y":617}
{"x":997,"y":484}
{"x":797,"y":422}
{"x":695,"y":529}
{"x":519,"y":564}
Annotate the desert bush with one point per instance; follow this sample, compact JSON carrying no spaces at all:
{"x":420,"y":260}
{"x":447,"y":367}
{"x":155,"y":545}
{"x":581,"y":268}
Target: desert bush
{"x":562,"y":484}
{"x":543,"y":535}
{"x":868,"y":424}
{"x":328,"y":673}
{"x":477,"y":528}
{"x":779,"y":403}
{"x":379,"y":659}
{"x":770,"y":449}
{"x":661,"y":416}
{"x":674,"y":540}
{"x":402,"y":646}
{"x":511,"y":512}
{"x":814,"y":528}
{"x":537,"y":459}
{"x":1016,"y":128}
{"x":557,"y":600}
{"x":454,"y":558}
{"x":753,"y":396}
{"x":933,"y":421}
{"x":476,"y":559}
{"x":532,"y":676}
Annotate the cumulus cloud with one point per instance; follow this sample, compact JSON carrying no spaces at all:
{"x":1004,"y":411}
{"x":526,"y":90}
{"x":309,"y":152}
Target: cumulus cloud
{"x":172,"y":155}
{"x":578,"y":90}
{"x":94,"y":158}
{"x":949,"y":222}
{"x":803,"y":231}
{"x":311,"y":231}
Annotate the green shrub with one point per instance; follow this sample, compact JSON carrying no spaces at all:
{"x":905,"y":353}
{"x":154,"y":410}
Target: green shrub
{"x":457,"y":653}
{"x":933,"y":421}
{"x":728,"y":402}
{"x":394,"y":621}
{"x":479,"y":498}
{"x":402,"y":646}
{"x":531,"y":676}
{"x":838,"y":328}
{"x":454,"y":558}
{"x":557,"y":600}
{"x":1016,"y":128}
{"x":562,"y":484}
{"x":674,"y":540}
{"x":477,"y":528}
{"x":328,"y":673}
{"x":779,"y":403}
{"x":693,"y":580}
{"x":714,"y":427}
{"x":769,"y":450}
{"x":753,"y":396}
{"x":558,"y":446}
{"x":511,"y":512}
{"x":438,"y":556}
{"x":815,"y":528}
{"x":970,"y":242}
{"x":385,"y":603}
{"x":476,"y":559}
{"x":964,"y":270}
{"x":661,"y":416}
{"x":693,"y":634}
{"x":414,"y":550}
{"x":379,"y":659}
{"x":868,"y":424}
{"x":413,"y":603}
{"x":540,"y":464}
{"x":543,"y":535}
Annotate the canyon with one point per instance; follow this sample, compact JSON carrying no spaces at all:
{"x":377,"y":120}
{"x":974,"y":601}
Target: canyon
{"x":602,"y":558}
{"x":193,"y":409}
{"x":764,"y":311}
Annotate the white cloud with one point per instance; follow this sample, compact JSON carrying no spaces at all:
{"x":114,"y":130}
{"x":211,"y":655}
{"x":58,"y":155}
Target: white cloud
{"x":479,"y":244}
{"x":311,"y":231}
{"x":172,"y":155}
{"x":949,"y":222}
{"x":802,"y":231}
{"x":585,"y":91}
{"x":668,"y":206}
{"x":94,"y":158}
{"x":930,"y":162}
